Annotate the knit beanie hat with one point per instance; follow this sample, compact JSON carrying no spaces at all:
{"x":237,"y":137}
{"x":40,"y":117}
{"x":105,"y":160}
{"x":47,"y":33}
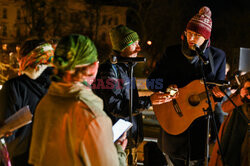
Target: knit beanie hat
{"x":122,"y":37}
{"x":74,"y":51}
{"x":201,"y":23}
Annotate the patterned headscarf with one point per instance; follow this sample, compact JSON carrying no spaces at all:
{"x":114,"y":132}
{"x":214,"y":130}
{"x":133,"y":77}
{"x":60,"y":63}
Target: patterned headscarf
{"x":43,"y":54}
{"x":74,"y":51}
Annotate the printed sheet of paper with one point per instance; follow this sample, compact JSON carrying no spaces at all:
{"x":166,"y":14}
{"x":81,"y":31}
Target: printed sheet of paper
{"x":120,"y":127}
{"x":21,"y":118}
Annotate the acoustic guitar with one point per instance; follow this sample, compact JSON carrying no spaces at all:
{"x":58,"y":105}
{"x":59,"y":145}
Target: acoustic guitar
{"x":176,"y":116}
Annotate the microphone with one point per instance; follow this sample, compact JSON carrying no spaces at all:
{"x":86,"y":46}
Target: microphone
{"x":197,"y":49}
{"x":219,"y":83}
{"x":199,"y":52}
{"x":119,"y":59}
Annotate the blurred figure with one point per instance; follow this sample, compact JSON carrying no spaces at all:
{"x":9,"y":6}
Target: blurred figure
{"x":35,"y":64}
{"x":218,"y":112}
{"x":70,"y":126}
{"x":234,"y":134}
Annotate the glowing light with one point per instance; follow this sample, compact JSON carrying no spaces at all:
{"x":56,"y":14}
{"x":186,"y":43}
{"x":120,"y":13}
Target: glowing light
{"x":4,"y":47}
{"x":1,"y":87}
{"x":17,"y":48}
{"x":149,"y":42}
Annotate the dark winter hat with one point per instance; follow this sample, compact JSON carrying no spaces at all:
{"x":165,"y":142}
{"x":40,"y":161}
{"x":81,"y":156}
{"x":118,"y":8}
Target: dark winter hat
{"x":74,"y":51}
{"x":122,"y":37}
{"x":201,"y":23}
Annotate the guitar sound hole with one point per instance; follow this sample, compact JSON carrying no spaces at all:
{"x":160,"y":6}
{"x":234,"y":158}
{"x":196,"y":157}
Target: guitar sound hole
{"x":194,"y":100}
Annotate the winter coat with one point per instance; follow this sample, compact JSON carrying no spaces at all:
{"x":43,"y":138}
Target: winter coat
{"x":71,"y":128}
{"x":113,"y":85}
{"x":15,"y":94}
{"x":175,"y":68}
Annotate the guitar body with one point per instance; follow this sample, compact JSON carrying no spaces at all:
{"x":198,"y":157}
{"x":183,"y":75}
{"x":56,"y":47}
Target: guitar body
{"x":172,"y":122}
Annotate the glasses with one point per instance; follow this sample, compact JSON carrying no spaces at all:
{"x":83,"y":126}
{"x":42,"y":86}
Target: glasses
{"x":192,"y":34}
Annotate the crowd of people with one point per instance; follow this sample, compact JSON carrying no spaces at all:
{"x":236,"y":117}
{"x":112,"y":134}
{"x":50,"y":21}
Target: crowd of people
{"x":75,"y":101}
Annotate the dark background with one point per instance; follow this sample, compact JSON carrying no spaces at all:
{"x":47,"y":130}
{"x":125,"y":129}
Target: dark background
{"x":163,"y":21}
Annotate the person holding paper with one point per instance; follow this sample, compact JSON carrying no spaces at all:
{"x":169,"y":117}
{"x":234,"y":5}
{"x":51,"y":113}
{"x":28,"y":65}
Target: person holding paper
{"x":70,"y":126}
{"x":113,"y":85}
{"x":35,"y":69}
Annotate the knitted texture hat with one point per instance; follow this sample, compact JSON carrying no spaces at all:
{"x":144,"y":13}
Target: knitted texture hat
{"x":74,"y":51}
{"x":122,"y":37}
{"x":201,"y":23}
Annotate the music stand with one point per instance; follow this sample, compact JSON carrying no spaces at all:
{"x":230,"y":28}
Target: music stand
{"x":131,"y":71}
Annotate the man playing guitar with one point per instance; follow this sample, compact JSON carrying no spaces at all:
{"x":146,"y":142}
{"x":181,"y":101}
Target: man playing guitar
{"x":180,"y":67}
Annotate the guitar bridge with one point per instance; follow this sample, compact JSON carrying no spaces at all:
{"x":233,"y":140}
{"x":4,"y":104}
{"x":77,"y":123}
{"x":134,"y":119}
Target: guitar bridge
{"x":177,"y":108}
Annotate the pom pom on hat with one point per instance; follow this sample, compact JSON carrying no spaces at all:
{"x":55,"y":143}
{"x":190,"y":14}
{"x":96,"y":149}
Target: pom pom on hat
{"x":201,"y":23}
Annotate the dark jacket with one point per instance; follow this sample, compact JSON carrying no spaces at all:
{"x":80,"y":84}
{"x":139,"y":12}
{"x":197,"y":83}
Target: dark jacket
{"x":175,"y":68}
{"x":113,"y":85}
{"x":15,"y":94}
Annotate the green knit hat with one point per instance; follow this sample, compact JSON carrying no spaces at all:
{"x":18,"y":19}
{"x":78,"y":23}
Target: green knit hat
{"x":122,"y":37}
{"x":74,"y":50}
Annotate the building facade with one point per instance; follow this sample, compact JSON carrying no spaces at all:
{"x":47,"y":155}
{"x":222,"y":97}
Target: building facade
{"x":20,"y":20}
{"x":52,"y":19}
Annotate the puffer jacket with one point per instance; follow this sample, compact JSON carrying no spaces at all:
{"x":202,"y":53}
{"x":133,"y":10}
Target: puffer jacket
{"x":113,"y":85}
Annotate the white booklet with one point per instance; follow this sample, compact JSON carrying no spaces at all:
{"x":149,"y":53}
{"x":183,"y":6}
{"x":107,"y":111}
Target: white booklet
{"x":120,"y":127}
{"x":19,"y":119}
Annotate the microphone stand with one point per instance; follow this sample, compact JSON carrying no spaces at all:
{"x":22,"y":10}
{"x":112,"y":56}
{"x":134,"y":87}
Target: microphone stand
{"x":131,"y":71}
{"x":209,"y":115}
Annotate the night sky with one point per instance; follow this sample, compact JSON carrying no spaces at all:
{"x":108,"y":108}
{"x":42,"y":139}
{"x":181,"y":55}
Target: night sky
{"x":165,"y":20}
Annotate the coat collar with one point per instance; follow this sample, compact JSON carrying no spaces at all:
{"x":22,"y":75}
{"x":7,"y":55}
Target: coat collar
{"x":77,"y":91}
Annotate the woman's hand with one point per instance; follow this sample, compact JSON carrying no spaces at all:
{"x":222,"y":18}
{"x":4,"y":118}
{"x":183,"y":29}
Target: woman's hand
{"x":123,"y":141}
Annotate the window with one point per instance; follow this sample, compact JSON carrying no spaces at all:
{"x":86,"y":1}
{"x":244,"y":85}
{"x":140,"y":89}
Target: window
{"x":4,"y":13}
{"x":110,"y":21}
{"x":104,"y":20}
{"x":103,"y":37}
{"x":4,"y":32}
{"x":116,"y":21}
{"x":18,"y":33}
{"x":18,"y":14}
{"x":85,"y":14}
